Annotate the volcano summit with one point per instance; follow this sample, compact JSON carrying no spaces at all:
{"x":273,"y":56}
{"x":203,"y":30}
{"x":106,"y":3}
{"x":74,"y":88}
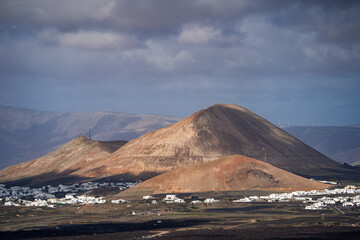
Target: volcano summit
{"x":218,"y":131}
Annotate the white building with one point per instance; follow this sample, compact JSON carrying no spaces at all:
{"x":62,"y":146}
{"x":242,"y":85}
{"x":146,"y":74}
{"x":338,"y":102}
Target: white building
{"x":179,"y":200}
{"x":170,"y":198}
{"x":211,"y":200}
{"x":119,"y":201}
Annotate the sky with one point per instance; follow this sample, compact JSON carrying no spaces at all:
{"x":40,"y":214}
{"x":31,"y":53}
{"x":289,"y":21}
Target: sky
{"x":291,"y":62}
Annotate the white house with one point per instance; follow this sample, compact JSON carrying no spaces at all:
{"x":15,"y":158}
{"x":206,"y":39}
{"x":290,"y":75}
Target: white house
{"x":11,"y":204}
{"x":119,"y":201}
{"x":211,"y":200}
{"x":170,"y":198}
{"x":348,"y":204}
{"x":179,"y":200}
{"x":246,"y":199}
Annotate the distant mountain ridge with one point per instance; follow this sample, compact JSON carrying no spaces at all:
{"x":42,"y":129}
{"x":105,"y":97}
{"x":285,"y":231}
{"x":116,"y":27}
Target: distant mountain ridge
{"x":28,"y":134}
{"x":340,"y":143}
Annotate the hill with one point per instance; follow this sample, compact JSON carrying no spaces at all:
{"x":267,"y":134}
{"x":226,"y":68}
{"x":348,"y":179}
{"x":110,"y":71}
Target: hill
{"x":28,"y":134}
{"x":71,"y":161}
{"x":234,"y":173}
{"x":218,"y":131}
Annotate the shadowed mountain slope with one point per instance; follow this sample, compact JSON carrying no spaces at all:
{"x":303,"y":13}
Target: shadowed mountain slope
{"x":218,"y":131}
{"x":74,"y":158}
{"x":234,"y":173}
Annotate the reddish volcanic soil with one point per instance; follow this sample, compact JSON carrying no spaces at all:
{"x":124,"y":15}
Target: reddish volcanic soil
{"x":227,"y":174}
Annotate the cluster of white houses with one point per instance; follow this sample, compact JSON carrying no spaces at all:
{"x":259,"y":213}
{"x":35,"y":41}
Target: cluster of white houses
{"x":171,"y":198}
{"x":324,"y":202}
{"x":307,"y":197}
{"x":51,"y":202}
{"x":45,"y":196}
{"x":79,"y":187}
{"x":46,"y":192}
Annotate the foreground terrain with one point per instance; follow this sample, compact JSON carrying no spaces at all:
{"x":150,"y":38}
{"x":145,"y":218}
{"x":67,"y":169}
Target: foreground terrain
{"x":232,"y":215}
{"x":178,"y":221}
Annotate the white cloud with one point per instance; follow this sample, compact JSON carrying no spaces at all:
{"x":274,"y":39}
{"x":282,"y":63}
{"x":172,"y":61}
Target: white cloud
{"x":161,"y":57}
{"x":92,"y":40}
{"x":194,"y":33}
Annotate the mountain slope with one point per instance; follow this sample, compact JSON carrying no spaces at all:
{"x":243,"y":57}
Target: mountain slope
{"x":341,"y":143}
{"x":28,"y":134}
{"x":220,"y":130}
{"x":72,"y":159}
{"x":226,"y":174}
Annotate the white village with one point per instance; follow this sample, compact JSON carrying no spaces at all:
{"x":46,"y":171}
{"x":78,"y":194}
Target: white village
{"x":313,"y":197}
{"x":75,"y":194}
{"x":45,"y":196}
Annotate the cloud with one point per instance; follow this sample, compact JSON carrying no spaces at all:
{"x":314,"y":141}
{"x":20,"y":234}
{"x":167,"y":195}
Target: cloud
{"x":335,"y":22}
{"x":194,"y":33}
{"x":142,"y":16}
{"x":91,"y":40}
{"x":160,"y":57}
{"x":248,"y":50}
{"x":168,"y":62}
{"x":66,"y":14}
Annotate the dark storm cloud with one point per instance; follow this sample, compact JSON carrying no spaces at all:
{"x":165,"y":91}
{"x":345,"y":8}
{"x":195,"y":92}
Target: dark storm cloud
{"x":242,"y":31}
{"x":169,"y":52}
{"x":333,"y":21}
{"x":138,"y":16}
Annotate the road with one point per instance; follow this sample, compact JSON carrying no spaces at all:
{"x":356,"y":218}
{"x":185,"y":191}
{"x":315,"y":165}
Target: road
{"x":338,"y":211}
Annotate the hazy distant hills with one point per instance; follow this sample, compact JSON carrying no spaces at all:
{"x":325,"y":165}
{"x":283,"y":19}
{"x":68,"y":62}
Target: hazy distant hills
{"x":341,"y":143}
{"x":28,"y":134}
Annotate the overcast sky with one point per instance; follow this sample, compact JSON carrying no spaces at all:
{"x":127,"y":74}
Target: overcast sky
{"x":294,"y":62}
